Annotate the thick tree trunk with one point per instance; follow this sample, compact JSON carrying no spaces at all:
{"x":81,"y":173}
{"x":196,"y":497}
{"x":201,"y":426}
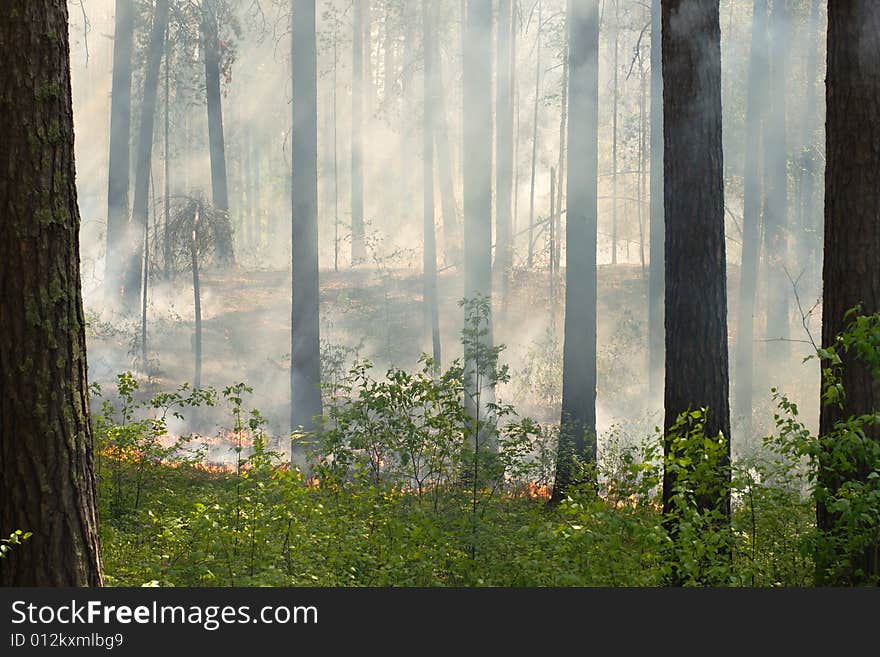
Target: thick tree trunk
{"x":477,"y":170}
{"x":216,"y":143}
{"x":745,"y":329}
{"x":358,"y":249}
{"x":779,"y":288}
{"x":577,"y":432}
{"x":657,"y":231}
{"x":119,"y":165}
{"x":696,"y":290}
{"x":429,"y":259}
{"x":47,"y":477}
{"x":851,"y":270}
{"x":503,"y":148}
{"x":305,"y":345}
{"x":135,"y":251}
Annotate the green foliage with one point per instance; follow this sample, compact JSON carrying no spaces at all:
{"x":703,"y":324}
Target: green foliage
{"x":15,"y":538}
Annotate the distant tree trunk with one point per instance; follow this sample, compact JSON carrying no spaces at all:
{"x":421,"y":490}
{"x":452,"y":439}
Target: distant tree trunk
{"x":335,"y":165}
{"x":643,"y":165}
{"x":776,"y":185}
{"x":166,"y":242}
{"x":217,"y":146}
{"x":305,"y":346}
{"x":429,"y":260}
{"x":358,"y":249}
{"x":477,"y":170}
{"x":144,"y":294}
{"x":445,"y":173}
{"x":47,"y":476}
{"x":135,"y":252}
{"x":614,"y":138}
{"x":120,"y":140}
{"x":514,"y":93}
{"x":744,"y":381}
{"x":656,"y":274}
{"x":197,"y":298}
{"x":577,"y":431}
{"x":256,"y":162}
{"x":531,"y":250}
{"x":503,"y":148}
{"x":248,"y":222}
{"x":551,"y":226}
{"x":560,"y":170}
{"x":851,"y":269}
{"x":696,"y":291}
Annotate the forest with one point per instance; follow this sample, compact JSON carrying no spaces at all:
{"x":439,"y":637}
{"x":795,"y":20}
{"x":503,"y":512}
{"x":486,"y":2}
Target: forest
{"x":440,"y":293}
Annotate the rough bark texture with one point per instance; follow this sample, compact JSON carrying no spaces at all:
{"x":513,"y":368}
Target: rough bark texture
{"x":120,"y":140}
{"x":429,"y":254}
{"x":135,"y":241}
{"x":358,"y":251}
{"x":47,"y":481}
{"x":656,"y":272}
{"x":477,"y":161}
{"x":305,"y":348}
{"x":745,"y":325}
{"x":693,"y":193}
{"x":216,"y":143}
{"x":851,"y":269}
{"x":578,"y":426}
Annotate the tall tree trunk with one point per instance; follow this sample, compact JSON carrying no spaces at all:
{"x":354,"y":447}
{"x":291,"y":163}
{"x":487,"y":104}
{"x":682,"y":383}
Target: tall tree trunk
{"x":335,"y":165}
{"x":358,"y":249}
{"x":119,"y":165}
{"x":531,"y":250}
{"x":745,"y":364}
{"x":577,"y":431}
{"x":217,"y":146}
{"x":503,"y":147}
{"x":445,"y":173}
{"x":851,"y":270}
{"x":696,"y":290}
{"x":643,"y":165}
{"x":197,"y":297}
{"x":657,"y":231}
{"x":560,"y":170}
{"x":305,"y":345}
{"x":429,"y":260}
{"x":166,"y":242}
{"x":776,"y":185}
{"x":256,"y":166}
{"x":614,"y":138}
{"x":47,"y":476}
{"x":135,"y":251}
{"x":477,"y":170}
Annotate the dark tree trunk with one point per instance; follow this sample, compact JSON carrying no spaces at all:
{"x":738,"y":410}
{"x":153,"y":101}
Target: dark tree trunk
{"x":216,"y":145}
{"x":577,"y":432}
{"x":779,"y":288}
{"x":305,"y":347}
{"x":429,"y":260}
{"x":851,"y":269}
{"x":656,"y":274}
{"x":503,"y":147}
{"x":477,"y":170}
{"x":47,"y":477}
{"x":745,"y":330}
{"x":135,"y":251}
{"x":120,"y":141}
{"x":693,"y":192}
{"x":358,"y":249}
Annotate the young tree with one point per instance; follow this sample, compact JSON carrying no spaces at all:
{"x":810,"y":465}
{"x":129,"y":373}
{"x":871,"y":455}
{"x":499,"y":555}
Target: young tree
{"x":120,"y":141}
{"x":751,"y":216}
{"x":577,"y":432}
{"x":305,"y":347}
{"x":851,"y":270}
{"x":47,"y":478}
{"x":656,"y":275}
{"x":693,"y":197}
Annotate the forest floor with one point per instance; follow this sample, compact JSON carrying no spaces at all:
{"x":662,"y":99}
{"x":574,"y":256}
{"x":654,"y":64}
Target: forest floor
{"x":376,"y":313}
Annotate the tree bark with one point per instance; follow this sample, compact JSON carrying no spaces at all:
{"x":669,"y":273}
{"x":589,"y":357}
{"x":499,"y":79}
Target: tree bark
{"x":531,"y":249}
{"x":47,"y":476}
{"x":305,"y":344}
{"x":851,"y":270}
{"x":696,"y":290}
{"x":577,"y":432}
{"x":745,"y":330}
{"x":120,"y":141}
{"x":503,"y":147}
{"x":429,"y":259}
{"x":614,"y":137}
{"x":135,"y":241}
